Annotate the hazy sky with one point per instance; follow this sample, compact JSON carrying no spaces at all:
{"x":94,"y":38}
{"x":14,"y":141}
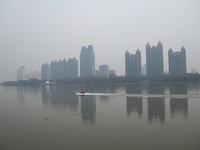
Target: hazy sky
{"x":33,"y":32}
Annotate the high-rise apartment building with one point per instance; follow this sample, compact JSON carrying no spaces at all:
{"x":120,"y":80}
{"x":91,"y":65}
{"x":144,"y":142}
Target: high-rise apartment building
{"x":64,"y":69}
{"x":53,"y":70}
{"x":177,"y":62}
{"x":45,"y":70}
{"x":21,"y":73}
{"x":154,"y":59}
{"x":72,"y":68}
{"x":133,"y":64}
{"x":87,"y":61}
{"x":104,"y":71}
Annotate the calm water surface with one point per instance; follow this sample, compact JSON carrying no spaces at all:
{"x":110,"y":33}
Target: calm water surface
{"x":52,"y":117}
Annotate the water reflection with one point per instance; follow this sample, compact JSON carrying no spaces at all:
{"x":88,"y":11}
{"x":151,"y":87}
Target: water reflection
{"x":103,"y":98}
{"x":178,"y":88}
{"x":178,"y":106}
{"x":134,"y":104}
{"x":156,"y":110}
{"x":156,"y":106}
{"x":193,"y":88}
{"x":59,"y":98}
{"x":45,"y":95}
{"x":101,"y":89}
{"x":21,"y":94}
{"x":122,"y":132}
{"x":88,"y":109}
{"x":63,"y":98}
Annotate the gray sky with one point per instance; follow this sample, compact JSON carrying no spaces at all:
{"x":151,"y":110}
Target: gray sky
{"x":33,"y":32}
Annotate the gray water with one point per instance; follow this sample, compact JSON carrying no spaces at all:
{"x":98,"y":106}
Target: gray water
{"x":108,"y":118}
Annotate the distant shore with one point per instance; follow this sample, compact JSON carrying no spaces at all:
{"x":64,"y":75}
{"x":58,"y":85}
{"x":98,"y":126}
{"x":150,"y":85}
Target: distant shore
{"x":188,"y":78}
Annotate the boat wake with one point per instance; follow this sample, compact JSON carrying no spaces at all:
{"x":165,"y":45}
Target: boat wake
{"x":147,"y":95}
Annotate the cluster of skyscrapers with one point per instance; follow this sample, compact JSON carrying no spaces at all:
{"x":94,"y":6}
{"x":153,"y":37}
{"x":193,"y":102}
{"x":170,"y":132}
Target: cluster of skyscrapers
{"x":69,"y":69}
{"x":154,"y":61}
{"x":62,"y":69}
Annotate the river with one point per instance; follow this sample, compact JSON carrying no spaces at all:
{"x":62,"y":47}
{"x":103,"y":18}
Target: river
{"x":108,"y":118}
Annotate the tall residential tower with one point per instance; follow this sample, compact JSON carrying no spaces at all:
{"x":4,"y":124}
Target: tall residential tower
{"x":104,"y":71}
{"x":154,"y":59}
{"x":177,"y":62}
{"x":133,"y":64}
{"x":21,"y":73}
{"x":87,"y":61}
{"x":45,"y":72}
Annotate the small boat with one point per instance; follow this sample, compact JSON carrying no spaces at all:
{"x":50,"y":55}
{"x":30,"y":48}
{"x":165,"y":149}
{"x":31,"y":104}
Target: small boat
{"x":79,"y":93}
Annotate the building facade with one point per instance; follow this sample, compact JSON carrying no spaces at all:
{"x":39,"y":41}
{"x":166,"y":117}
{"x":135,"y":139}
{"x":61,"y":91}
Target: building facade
{"x":112,"y":72}
{"x":87,"y":61}
{"x":96,"y":74}
{"x":21,"y":73}
{"x":154,"y":59}
{"x":133,"y":64}
{"x":72,"y":68}
{"x":33,"y":75}
{"x":104,"y":71}
{"x":64,"y":69}
{"x":45,"y":71}
{"x":144,"y":70}
{"x":177,"y":62}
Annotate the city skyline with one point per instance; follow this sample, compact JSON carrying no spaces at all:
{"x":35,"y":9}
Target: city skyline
{"x":133,"y":67}
{"x":31,"y":33}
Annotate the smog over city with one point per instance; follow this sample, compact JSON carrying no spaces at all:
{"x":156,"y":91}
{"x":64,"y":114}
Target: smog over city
{"x":37,"y":32}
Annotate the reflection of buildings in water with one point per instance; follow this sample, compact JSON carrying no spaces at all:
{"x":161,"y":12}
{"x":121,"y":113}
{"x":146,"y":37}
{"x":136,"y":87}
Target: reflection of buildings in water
{"x":134,"y":89}
{"x":112,"y":89}
{"x":60,"y":98}
{"x":134,"y":104}
{"x":103,"y":89}
{"x":45,"y":95}
{"x":178,"y":88}
{"x":155,"y":89}
{"x":88,"y":109}
{"x":156,"y":109}
{"x":193,"y":88}
{"x":179,"y":107}
{"x":156,"y":106}
{"x":104,"y":99}
{"x":100,"y":89}
{"x":21,"y":94}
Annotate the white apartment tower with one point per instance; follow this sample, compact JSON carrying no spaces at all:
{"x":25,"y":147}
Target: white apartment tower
{"x":21,"y":73}
{"x":104,"y":71}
